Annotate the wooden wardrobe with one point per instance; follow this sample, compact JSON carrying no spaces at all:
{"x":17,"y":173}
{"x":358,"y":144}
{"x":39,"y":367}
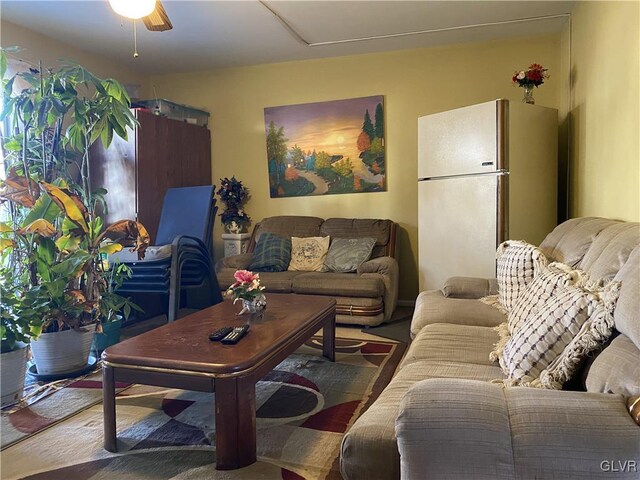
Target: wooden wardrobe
{"x":159,"y":154}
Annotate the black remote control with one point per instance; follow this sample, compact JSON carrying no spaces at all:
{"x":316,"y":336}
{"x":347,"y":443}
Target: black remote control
{"x":220,"y":334}
{"x":235,"y":336}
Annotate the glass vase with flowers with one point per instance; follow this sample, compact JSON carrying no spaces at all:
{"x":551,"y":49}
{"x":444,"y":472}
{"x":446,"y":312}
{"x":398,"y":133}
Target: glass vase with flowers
{"x":248,"y":290}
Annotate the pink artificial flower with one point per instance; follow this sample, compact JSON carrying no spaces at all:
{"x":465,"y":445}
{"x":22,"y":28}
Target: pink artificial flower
{"x":245,"y":276}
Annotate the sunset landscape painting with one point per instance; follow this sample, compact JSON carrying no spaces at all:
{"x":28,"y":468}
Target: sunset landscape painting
{"x":325,"y":148}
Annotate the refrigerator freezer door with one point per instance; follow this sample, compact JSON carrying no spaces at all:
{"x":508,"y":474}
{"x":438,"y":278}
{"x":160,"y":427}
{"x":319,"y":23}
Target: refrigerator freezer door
{"x":458,"y":225}
{"x":459,"y":142}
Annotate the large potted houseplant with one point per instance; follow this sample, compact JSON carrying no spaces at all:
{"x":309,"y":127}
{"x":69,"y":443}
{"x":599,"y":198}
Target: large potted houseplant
{"x":51,"y":238}
{"x":73,"y":279}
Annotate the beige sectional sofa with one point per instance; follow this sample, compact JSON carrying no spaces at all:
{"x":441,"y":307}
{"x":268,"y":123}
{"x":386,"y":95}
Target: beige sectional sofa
{"x":441,"y":417}
{"x":365,"y":297}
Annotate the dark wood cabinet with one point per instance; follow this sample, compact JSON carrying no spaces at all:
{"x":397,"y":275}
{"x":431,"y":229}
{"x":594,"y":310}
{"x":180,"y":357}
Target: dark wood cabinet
{"x":159,"y":154}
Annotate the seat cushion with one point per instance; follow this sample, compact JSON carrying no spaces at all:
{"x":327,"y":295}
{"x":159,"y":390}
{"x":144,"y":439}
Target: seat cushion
{"x":433,"y":307}
{"x":369,"y":448}
{"x":571,"y":435}
{"x":342,"y":284}
{"x":456,"y":343}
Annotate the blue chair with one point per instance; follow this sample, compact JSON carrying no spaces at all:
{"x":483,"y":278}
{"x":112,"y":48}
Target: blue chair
{"x":182,"y":259}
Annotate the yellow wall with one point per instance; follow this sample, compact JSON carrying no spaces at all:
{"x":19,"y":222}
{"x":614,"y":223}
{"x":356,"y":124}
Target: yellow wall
{"x":413,"y":82}
{"x":39,"y":47}
{"x":605,"y":117}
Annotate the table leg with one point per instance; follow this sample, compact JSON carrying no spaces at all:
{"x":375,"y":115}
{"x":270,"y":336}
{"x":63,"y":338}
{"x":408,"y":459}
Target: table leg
{"x":109,"y":408}
{"x":235,"y":422}
{"x":329,"y":339}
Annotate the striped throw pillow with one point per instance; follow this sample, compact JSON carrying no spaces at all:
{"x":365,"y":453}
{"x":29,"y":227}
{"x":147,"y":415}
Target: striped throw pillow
{"x":517,"y":263}
{"x":543,"y":287}
{"x":271,"y":254}
{"x":557,"y":333}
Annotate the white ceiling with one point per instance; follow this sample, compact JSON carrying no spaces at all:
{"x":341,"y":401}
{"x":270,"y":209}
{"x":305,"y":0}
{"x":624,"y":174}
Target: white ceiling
{"x":216,"y":34}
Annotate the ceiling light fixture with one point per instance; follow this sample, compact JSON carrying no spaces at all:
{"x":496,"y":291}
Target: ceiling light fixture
{"x":133,"y":9}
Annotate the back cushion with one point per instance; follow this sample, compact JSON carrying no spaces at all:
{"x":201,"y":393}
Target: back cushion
{"x":287,"y":226}
{"x":627,"y":312}
{"x":610,"y":250}
{"x":616,"y":369}
{"x":570,"y":240}
{"x":359,"y":228}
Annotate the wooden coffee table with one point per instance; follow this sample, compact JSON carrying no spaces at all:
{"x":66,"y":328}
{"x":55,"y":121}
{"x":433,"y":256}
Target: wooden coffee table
{"x":180,"y":355}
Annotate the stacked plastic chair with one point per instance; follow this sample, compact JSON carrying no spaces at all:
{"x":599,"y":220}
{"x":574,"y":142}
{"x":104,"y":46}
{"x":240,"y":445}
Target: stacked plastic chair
{"x":182,"y":259}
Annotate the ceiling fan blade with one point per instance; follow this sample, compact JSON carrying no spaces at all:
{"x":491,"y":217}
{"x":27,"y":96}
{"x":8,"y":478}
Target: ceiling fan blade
{"x":158,"y":20}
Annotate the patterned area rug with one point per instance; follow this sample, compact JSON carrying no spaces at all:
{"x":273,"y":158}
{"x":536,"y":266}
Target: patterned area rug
{"x":44,"y":405}
{"x":304,"y":406}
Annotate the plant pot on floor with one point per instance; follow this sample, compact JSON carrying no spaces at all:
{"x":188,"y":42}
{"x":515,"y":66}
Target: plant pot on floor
{"x":110,"y":335}
{"x":63,"y":352}
{"x":13,"y":365}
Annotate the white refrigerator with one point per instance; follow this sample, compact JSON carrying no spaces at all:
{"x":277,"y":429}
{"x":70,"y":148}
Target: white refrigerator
{"x":486,"y":173}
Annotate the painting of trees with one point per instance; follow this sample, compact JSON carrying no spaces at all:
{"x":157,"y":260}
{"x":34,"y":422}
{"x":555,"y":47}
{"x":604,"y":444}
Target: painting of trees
{"x":373,"y":154}
{"x":379,"y":128}
{"x":326,"y":148}
{"x":276,"y":152}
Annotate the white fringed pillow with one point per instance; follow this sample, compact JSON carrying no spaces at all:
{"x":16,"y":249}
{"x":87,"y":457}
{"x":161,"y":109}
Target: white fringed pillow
{"x":558,"y":332}
{"x":547,"y":281}
{"x":517,"y":263}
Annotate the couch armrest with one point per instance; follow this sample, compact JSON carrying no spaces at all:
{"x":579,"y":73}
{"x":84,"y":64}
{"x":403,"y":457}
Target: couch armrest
{"x":387,"y":267}
{"x":238,"y":262}
{"x":467,"y":429}
{"x":469,"y":287}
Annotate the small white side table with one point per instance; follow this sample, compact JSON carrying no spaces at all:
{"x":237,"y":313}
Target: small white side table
{"x":235,"y":243}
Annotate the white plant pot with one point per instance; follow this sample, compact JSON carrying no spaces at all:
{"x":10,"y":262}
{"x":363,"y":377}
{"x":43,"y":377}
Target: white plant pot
{"x":62,"y":352}
{"x":13,"y":366}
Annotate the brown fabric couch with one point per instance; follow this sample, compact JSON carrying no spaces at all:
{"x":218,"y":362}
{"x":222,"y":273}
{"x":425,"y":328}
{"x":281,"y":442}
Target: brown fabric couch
{"x":441,"y":417}
{"x":366,"y":297}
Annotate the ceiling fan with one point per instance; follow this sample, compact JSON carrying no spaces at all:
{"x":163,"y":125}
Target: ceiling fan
{"x":151,"y":12}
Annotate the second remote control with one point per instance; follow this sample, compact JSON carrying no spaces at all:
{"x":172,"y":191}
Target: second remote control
{"x":235,"y":336}
{"x":220,"y":334}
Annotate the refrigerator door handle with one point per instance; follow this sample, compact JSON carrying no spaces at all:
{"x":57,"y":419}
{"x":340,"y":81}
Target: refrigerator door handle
{"x":483,"y":174}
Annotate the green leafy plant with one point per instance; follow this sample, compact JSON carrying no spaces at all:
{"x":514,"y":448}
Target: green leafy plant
{"x":51,"y":239}
{"x":70,"y":275}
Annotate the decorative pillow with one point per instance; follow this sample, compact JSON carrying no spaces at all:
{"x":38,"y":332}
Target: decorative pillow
{"x":271,"y":254}
{"x":557,"y":334}
{"x":347,"y":254}
{"x":542,"y":288}
{"x":517,"y":264}
{"x":308,"y":254}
